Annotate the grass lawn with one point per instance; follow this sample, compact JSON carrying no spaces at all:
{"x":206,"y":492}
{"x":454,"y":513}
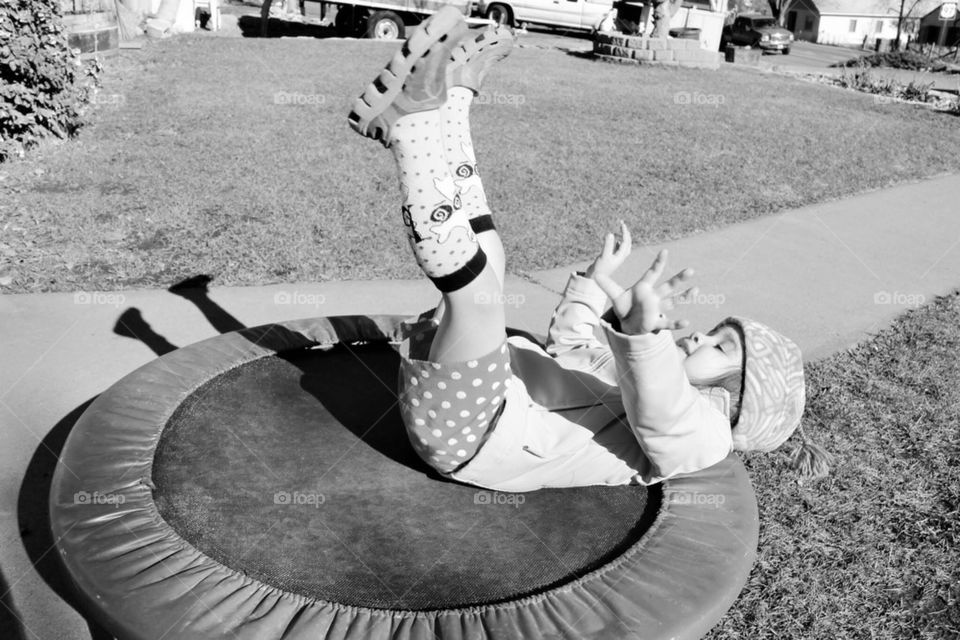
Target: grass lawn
{"x":870,"y":552}
{"x":190,"y":165}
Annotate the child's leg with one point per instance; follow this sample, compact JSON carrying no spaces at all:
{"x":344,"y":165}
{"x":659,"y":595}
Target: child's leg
{"x":458,"y":148}
{"x":471,"y":61}
{"x":401,"y":109}
{"x":449,"y":403}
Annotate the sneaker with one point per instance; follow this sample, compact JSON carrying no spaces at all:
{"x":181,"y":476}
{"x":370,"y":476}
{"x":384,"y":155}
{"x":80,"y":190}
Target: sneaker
{"x":414,"y":80}
{"x":476,"y":53}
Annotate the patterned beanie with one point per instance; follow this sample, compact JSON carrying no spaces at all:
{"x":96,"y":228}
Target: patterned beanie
{"x":772,"y":393}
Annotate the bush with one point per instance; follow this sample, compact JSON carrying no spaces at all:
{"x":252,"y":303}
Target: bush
{"x":895,"y":60}
{"x":44,"y":86}
{"x":860,"y":78}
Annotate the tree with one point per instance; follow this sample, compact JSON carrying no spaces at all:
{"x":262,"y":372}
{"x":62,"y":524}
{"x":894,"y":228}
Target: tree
{"x":663,"y":10}
{"x":902,"y":17}
{"x":736,"y":7}
{"x":779,"y":8}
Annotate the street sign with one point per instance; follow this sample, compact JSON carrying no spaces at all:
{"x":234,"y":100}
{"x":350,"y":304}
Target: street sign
{"x":948,"y":11}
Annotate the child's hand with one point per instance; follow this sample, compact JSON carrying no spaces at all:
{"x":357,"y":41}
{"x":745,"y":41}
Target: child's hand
{"x":612,"y":255}
{"x":641,"y":309}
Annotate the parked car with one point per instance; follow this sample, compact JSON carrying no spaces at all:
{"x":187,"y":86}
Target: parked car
{"x":757,"y":31}
{"x":583,"y":15}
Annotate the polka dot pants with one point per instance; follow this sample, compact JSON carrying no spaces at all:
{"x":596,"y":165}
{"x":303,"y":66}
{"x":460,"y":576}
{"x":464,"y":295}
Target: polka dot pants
{"x":449,"y":409}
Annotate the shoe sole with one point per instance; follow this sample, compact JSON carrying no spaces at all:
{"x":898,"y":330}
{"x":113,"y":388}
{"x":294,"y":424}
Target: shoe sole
{"x":492,"y":45}
{"x":414,"y":80}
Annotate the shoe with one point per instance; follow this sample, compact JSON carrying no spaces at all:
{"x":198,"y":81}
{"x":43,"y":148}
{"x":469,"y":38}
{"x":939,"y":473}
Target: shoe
{"x":476,"y":53}
{"x":414,"y":80}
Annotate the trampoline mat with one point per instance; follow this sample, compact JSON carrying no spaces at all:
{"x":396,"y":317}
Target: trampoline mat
{"x":296,"y":470}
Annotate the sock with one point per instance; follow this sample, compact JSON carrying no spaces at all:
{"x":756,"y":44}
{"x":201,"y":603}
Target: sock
{"x":458,"y":149}
{"x":438,"y":228}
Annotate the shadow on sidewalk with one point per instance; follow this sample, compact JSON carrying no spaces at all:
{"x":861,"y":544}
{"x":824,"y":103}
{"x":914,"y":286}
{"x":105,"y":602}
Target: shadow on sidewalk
{"x":10,"y":625}
{"x":33,"y":512}
{"x":33,"y":517}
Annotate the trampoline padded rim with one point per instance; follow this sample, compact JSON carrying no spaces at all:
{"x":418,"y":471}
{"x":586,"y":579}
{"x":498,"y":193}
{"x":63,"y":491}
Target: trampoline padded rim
{"x":142,"y":580}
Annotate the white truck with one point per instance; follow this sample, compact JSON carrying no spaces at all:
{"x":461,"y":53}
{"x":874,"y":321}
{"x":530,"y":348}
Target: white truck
{"x":389,"y":19}
{"x":384,"y":19}
{"x":582,"y":15}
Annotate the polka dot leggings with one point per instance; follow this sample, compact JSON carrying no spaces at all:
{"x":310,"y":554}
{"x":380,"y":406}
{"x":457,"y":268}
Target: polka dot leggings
{"x":450,"y":409}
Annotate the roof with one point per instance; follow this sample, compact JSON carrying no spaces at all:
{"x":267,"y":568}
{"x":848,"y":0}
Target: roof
{"x":912,"y":8}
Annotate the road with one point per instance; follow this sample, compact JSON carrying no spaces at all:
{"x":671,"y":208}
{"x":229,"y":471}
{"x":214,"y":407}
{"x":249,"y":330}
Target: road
{"x":810,"y":55}
{"x":804,"y":57}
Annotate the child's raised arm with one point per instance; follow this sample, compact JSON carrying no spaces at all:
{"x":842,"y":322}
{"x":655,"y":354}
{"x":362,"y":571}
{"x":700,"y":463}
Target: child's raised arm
{"x":612,"y":255}
{"x":641,"y":309}
{"x":577,"y":316}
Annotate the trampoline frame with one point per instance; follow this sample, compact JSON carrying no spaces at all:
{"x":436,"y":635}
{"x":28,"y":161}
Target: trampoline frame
{"x":140,"y":579}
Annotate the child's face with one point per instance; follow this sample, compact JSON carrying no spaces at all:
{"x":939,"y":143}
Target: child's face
{"x":712,"y":357}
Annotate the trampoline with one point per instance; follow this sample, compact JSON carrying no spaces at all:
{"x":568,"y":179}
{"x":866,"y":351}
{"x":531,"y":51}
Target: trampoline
{"x":260,"y":485}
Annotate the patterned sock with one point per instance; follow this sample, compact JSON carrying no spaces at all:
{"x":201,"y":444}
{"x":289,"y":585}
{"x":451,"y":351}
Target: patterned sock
{"x":458,"y":148}
{"x":438,"y":229}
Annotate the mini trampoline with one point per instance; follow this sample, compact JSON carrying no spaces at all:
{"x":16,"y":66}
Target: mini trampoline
{"x":260,"y":485}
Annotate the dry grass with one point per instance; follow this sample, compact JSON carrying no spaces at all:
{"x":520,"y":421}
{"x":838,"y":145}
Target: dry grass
{"x":192,"y":167}
{"x":870,"y":552}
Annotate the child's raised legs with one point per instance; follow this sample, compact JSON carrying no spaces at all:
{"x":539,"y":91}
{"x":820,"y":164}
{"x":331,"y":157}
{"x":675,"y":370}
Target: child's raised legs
{"x":450,"y":401}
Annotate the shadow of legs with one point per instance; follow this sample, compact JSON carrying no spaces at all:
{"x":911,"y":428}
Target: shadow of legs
{"x":131,"y":324}
{"x":196,"y":290}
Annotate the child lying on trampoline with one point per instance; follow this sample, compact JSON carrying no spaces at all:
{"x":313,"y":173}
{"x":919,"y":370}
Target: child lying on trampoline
{"x":508,"y":414}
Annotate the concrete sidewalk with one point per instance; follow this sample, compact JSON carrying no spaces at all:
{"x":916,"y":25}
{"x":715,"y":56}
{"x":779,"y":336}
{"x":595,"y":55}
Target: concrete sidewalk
{"x":826,"y":275}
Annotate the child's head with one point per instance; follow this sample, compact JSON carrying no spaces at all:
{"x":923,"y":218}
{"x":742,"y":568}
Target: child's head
{"x":762,"y":370}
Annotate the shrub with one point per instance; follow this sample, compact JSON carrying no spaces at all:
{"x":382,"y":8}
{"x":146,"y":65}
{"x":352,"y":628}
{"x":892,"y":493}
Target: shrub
{"x":44,"y":86}
{"x":860,"y":78}
{"x":915,"y":91}
{"x":895,"y":60}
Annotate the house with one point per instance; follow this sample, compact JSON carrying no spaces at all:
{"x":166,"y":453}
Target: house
{"x":855,"y":22}
{"x":931,"y":27}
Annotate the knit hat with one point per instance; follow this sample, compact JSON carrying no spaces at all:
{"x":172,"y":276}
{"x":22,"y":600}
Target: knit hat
{"x":772,"y":397}
{"x":772,"y":393}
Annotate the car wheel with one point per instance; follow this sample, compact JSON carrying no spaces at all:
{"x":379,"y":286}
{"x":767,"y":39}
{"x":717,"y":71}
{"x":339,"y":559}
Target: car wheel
{"x":384,"y":25}
{"x":500,"y":13}
{"x":786,"y":51}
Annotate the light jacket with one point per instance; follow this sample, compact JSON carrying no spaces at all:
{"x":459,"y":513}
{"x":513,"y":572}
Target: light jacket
{"x":580,"y":412}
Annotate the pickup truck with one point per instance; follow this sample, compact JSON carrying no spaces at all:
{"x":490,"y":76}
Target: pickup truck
{"x":757,"y":31}
{"x":377,"y":19}
{"x":580,"y":15}
{"x":388,"y":19}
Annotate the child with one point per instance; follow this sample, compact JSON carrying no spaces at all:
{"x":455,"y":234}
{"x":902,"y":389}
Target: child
{"x":513,"y":416}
